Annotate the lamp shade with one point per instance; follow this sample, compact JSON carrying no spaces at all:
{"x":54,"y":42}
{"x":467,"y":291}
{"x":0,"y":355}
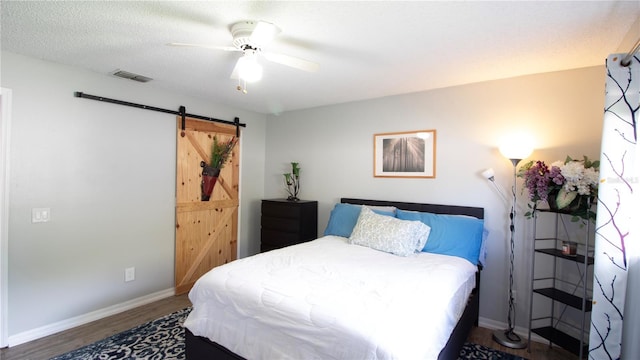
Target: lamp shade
{"x":516,"y":148}
{"x":489,"y":174}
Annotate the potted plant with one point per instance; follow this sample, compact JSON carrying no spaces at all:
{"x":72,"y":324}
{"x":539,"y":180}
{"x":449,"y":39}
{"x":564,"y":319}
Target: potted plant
{"x":220,"y":152}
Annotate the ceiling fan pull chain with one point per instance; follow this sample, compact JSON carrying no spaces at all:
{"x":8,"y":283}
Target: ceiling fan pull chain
{"x":242,"y":85}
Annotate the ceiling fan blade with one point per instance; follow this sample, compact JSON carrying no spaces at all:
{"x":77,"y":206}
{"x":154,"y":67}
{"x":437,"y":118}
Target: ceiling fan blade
{"x":291,"y":61}
{"x":224,"y":48}
{"x":263,"y":33}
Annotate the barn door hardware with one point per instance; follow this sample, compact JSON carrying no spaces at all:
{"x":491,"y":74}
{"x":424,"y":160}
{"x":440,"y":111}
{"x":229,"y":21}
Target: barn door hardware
{"x":181,"y":112}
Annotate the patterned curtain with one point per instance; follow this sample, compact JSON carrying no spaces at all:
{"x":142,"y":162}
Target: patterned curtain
{"x":616,"y":248}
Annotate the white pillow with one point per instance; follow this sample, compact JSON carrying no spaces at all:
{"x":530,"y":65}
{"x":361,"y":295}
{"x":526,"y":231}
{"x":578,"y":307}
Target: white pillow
{"x":389,"y":234}
{"x":385,"y":209}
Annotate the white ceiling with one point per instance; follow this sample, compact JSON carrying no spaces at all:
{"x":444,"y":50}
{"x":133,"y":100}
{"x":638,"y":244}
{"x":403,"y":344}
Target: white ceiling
{"x":366,"y":49}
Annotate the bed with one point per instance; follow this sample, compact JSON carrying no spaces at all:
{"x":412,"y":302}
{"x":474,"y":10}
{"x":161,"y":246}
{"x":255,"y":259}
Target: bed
{"x":329,"y":299}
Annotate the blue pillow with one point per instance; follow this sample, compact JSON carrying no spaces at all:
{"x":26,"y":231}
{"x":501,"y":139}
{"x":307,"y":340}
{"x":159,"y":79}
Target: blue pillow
{"x":450,"y":234}
{"x":345,"y":216}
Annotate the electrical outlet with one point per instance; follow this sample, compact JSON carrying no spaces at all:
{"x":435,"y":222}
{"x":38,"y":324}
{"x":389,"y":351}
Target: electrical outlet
{"x":129,"y":274}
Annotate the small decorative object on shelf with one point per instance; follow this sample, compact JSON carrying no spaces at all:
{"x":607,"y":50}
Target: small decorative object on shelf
{"x":568,"y":187}
{"x":220,"y":152}
{"x":569,"y":248}
{"x":292,"y":182}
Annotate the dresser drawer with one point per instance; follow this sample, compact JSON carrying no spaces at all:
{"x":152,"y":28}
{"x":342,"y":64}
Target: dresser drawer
{"x":281,"y":210}
{"x":279,"y":223}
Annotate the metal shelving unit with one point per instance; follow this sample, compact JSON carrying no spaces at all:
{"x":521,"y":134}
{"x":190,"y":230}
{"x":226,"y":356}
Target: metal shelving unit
{"x":560,"y":301}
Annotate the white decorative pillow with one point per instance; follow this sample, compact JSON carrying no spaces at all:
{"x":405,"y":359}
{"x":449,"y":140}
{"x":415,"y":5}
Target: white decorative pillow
{"x":389,"y":234}
{"x":382,"y":209}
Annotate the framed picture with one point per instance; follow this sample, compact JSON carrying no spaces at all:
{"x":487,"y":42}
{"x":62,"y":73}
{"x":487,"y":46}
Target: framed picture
{"x":410,"y":154}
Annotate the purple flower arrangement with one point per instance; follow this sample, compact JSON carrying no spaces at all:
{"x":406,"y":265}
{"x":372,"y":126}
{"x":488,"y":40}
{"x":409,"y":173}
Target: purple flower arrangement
{"x":570,"y":186}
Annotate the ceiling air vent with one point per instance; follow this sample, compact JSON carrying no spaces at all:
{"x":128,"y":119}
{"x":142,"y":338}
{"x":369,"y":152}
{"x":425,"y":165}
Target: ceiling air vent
{"x":131,"y":76}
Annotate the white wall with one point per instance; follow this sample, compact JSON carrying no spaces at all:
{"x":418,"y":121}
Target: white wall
{"x":334,"y":146}
{"x":107,"y":172}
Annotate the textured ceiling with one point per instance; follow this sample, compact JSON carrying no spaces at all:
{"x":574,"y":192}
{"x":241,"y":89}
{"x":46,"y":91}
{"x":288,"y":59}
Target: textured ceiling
{"x":365,"y":49}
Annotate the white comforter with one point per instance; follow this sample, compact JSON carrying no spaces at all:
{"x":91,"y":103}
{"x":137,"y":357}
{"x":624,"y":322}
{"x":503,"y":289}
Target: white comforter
{"x":326,"y":299}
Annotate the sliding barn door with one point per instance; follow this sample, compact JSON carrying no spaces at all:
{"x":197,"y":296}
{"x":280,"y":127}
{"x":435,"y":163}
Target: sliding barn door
{"x":206,"y":231}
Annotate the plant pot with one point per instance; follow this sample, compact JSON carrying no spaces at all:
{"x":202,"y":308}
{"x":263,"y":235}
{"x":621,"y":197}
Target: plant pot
{"x":580,"y":203}
{"x":209,"y":179}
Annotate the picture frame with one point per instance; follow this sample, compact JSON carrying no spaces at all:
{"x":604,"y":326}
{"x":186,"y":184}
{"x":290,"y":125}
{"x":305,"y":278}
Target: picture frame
{"x":409,"y":154}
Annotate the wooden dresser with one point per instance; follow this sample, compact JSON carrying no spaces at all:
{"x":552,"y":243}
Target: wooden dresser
{"x":287,"y":223}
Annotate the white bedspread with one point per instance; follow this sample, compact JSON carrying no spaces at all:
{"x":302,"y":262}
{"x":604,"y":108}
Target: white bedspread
{"x":326,"y":299}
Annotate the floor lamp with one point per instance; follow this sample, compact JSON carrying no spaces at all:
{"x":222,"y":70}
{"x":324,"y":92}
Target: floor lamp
{"x":516,"y":153}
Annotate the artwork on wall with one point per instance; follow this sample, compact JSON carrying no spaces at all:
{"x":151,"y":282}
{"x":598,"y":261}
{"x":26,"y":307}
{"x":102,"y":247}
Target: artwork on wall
{"x":410,"y":154}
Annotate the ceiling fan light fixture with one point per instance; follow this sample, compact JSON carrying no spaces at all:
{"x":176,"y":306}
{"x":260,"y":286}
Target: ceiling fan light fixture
{"x":249,"y":69}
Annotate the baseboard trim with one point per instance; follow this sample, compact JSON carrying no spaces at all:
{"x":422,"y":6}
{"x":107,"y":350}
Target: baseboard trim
{"x":523,"y":332}
{"x":67,"y":324}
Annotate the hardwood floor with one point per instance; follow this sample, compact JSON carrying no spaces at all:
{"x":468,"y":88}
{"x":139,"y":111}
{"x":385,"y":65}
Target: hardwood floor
{"x":65,"y":341}
{"x":72,"y":339}
{"x":537,"y":351}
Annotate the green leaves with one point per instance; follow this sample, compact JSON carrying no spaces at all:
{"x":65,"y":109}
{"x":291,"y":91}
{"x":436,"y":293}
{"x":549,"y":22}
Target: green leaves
{"x":220,"y":152}
{"x":531,"y":212}
{"x":565,"y":198}
{"x":585,"y":160}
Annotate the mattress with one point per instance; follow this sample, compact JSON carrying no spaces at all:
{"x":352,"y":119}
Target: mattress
{"x":327,"y":299}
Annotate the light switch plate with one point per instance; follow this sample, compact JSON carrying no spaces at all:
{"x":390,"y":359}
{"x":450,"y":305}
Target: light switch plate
{"x":40,"y":215}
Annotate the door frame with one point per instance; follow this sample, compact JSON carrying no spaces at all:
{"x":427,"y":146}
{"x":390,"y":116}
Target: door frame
{"x":5,"y":136}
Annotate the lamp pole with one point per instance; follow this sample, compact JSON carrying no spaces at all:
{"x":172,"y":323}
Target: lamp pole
{"x":508,"y":337}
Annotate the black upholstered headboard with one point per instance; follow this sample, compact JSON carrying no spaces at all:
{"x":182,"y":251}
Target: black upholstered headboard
{"x":432,"y":208}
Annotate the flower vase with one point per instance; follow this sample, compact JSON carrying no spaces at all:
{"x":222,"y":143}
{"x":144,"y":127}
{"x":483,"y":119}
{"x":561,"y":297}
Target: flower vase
{"x":209,"y":178}
{"x":579,"y":204}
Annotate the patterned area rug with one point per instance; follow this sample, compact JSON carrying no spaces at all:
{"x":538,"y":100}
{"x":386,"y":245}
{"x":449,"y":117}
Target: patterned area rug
{"x":158,"y":339}
{"x":474,"y":352}
{"x":164,"y":339}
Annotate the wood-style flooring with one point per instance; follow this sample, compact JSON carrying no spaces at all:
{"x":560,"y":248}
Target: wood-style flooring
{"x":65,"y":341}
{"x":536,"y":351}
{"x":68,"y":340}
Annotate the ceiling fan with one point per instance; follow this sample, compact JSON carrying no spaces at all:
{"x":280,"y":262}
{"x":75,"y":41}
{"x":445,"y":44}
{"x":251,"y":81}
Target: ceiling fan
{"x":249,"y":37}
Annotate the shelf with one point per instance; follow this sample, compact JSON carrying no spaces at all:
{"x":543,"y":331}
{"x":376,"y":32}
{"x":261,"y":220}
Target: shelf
{"x":559,"y":211}
{"x":562,"y":339}
{"x":558,"y":253}
{"x":552,"y":302}
{"x":564,"y":297}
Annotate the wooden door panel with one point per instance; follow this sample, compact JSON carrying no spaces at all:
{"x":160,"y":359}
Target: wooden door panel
{"x":206,"y":231}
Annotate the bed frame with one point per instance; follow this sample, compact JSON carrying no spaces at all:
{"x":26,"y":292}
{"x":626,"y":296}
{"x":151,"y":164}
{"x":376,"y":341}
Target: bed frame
{"x":201,"y":348}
